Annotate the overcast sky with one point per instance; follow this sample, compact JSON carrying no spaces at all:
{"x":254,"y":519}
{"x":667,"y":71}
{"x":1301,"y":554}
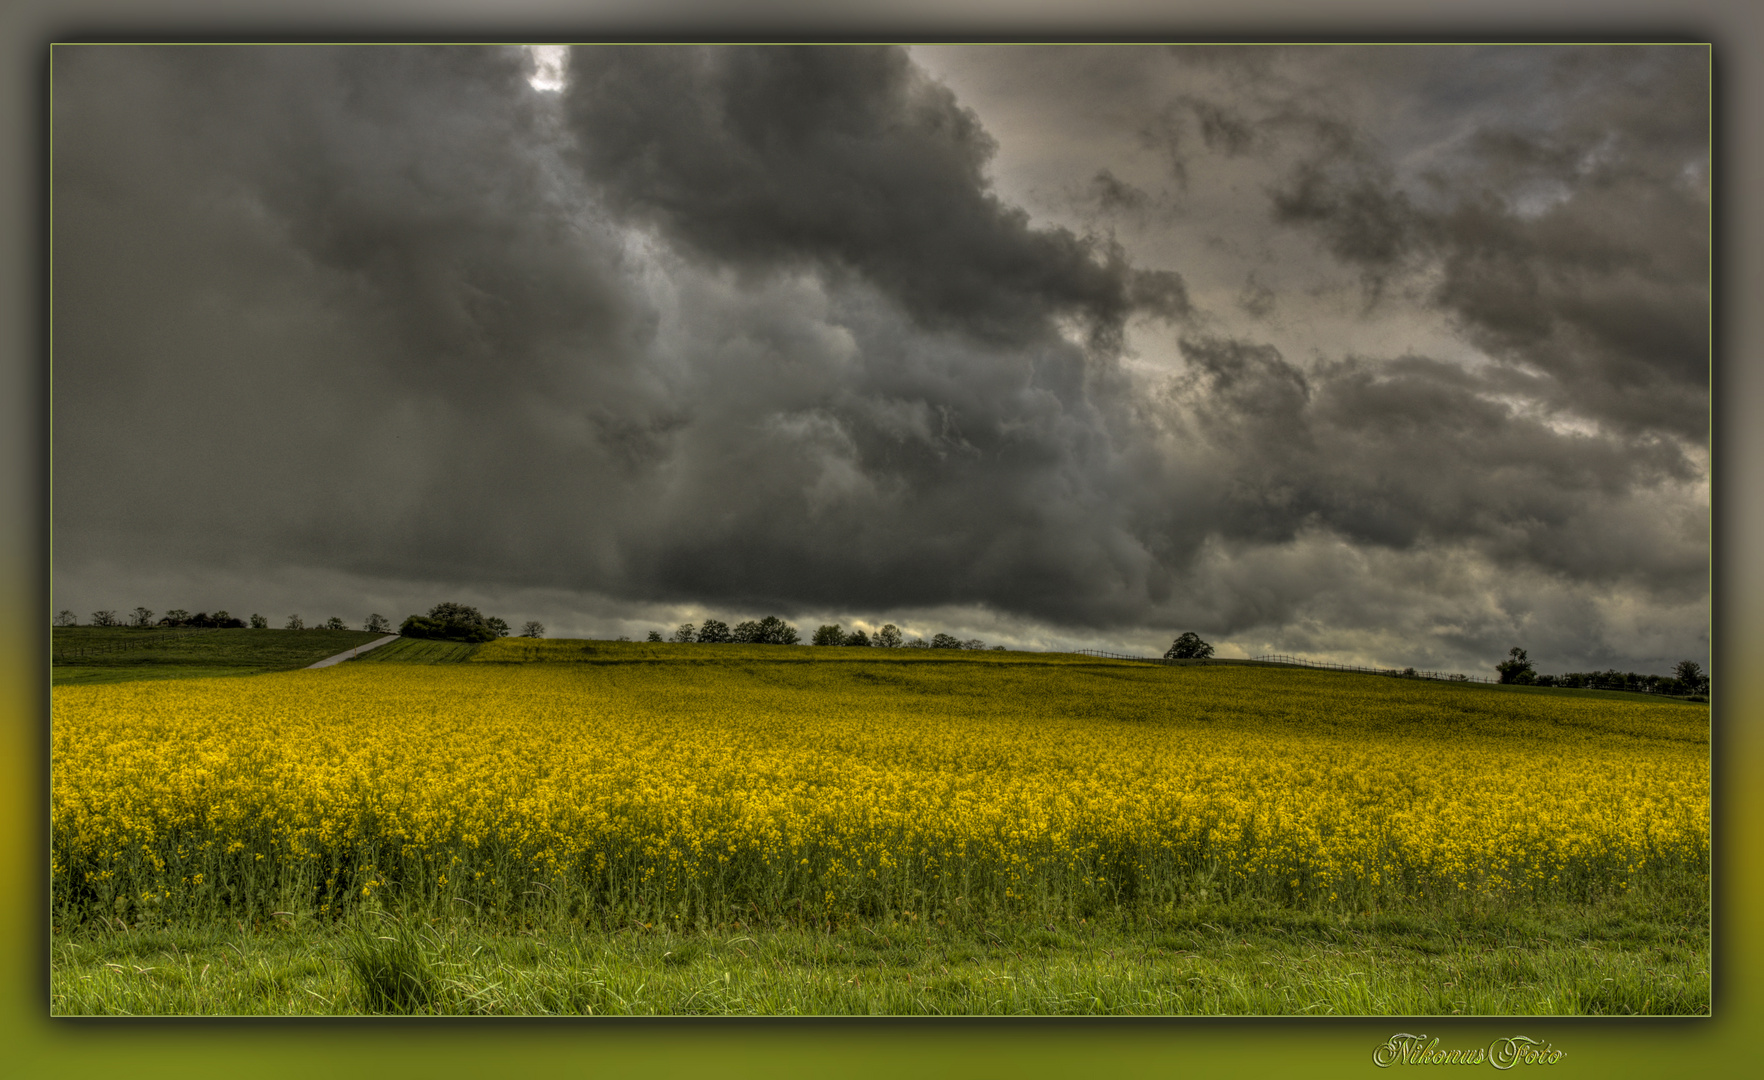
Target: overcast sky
{"x":1392,"y":355}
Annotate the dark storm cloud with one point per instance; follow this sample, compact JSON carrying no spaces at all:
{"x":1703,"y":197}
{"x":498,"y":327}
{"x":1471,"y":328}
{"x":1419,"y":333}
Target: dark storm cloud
{"x":752,"y":330}
{"x":1414,"y":453}
{"x":849,"y":158}
{"x":344,"y":290}
{"x":1571,"y":242}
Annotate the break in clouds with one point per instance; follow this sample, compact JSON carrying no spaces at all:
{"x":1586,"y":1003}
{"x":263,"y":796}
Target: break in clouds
{"x":1389,"y":354}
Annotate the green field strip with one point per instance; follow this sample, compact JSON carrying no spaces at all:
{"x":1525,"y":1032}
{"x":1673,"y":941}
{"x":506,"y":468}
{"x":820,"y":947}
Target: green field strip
{"x":81,"y":655}
{"x":417,"y":651}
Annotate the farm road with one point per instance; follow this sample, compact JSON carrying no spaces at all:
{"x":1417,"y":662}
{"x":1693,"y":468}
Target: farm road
{"x":357,"y":651}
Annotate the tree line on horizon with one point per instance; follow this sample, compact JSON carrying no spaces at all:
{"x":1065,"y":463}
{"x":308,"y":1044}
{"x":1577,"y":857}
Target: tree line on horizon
{"x":772,"y":630}
{"x":447,"y":621}
{"x":1688,"y":679}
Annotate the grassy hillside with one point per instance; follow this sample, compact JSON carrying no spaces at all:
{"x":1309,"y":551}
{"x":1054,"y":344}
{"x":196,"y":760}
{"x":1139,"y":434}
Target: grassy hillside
{"x":567,"y":650}
{"x":85,"y":655}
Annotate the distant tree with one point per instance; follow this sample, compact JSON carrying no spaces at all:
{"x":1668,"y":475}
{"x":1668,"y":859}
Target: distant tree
{"x":141,"y":617}
{"x":376,"y":624}
{"x":684,"y":633}
{"x":1692,"y":679}
{"x":497,"y":626}
{"x":451,"y":622}
{"x":621,"y":637}
{"x":176,"y":617}
{"x":857,"y":637}
{"x":775,"y":631}
{"x":533,"y":629}
{"x":654,"y":635}
{"x":258,"y":622}
{"x":946,"y":641}
{"x":715,"y":632}
{"x":889,"y":636}
{"x":917,"y":643}
{"x":104,"y":618}
{"x":65,"y":617}
{"x":974,"y":644}
{"x":295,"y":622}
{"x":999,"y":648}
{"x":335,"y":623}
{"x":829,"y":635}
{"x":770,"y":630}
{"x":1188,"y":647}
{"x":1514,"y":666}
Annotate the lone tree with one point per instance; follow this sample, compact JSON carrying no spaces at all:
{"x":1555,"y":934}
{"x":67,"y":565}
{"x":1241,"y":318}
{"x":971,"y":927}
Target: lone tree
{"x":888,"y":637}
{"x":336,"y":622}
{"x":685,"y":633}
{"x":1691,"y":677}
{"x":533,"y":629}
{"x":141,"y":617}
{"x":857,"y":637}
{"x":376,"y":624}
{"x":654,"y":635}
{"x":1516,"y":668}
{"x":64,"y":617}
{"x":258,"y":622}
{"x":451,"y":622}
{"x":104,"y":618}
{"x":715,"y":632}
{"x":295,"y":622}
{"x":945,"y":641}
{"x":1188,"y":647}
{"x":829,"y":635}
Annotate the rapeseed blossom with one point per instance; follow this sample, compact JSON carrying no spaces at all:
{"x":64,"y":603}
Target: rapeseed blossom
{"x":691,"y":780}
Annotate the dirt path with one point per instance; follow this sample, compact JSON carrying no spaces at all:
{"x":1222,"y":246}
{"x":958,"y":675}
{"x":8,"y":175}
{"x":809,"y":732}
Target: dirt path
{"x":352,"y":653}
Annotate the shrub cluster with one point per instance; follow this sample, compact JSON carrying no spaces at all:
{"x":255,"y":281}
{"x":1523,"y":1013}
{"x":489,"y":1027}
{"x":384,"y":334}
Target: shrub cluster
{"x":454,"y":622}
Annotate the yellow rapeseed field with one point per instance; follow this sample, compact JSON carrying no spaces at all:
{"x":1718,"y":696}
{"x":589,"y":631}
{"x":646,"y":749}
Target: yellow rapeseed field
{"x":728,"y":781}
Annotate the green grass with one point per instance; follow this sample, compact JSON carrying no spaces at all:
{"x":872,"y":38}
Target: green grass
{"x":1630,"y":955}
{"x":87,"y":655}
{"x":418,"y":651}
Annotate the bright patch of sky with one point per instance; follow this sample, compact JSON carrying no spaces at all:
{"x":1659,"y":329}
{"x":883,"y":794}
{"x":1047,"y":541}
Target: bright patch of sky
{"x":551,"y":67}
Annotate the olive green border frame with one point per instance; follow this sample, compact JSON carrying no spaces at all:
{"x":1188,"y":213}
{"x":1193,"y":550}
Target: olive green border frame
{"x":33,"y":1045}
